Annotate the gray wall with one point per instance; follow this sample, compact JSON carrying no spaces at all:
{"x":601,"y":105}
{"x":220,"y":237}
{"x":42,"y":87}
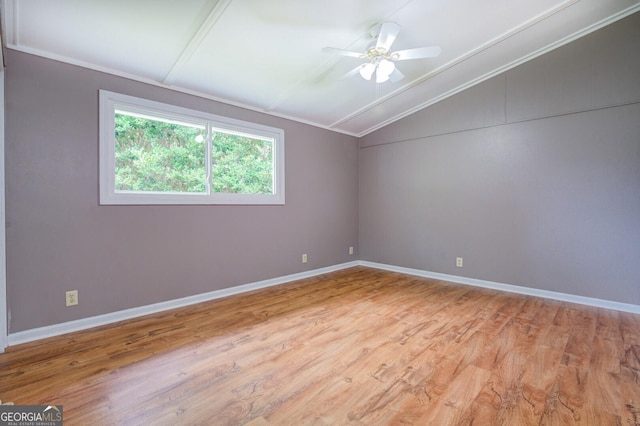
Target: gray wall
{"x":119,"y":257}
{"x":533,"y":177}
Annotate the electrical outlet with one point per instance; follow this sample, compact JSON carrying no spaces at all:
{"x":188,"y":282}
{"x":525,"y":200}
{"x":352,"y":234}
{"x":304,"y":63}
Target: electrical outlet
{"x":459,"y":262}
{"x":304,"y":258}
{"x":72,"y":297}
{"x":350,"y":250}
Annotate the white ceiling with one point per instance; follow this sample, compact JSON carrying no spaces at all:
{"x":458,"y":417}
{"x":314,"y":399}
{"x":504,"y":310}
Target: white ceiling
{"x":266,"y":55}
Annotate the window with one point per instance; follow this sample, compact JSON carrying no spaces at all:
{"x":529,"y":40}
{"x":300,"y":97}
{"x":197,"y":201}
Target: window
{"x":154,"y":153}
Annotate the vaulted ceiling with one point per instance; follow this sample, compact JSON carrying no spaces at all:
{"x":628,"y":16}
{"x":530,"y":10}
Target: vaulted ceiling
{"x":267,"y":55}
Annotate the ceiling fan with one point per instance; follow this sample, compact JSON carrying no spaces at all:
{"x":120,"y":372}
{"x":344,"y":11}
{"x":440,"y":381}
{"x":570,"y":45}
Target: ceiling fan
{"x":379,"y":59}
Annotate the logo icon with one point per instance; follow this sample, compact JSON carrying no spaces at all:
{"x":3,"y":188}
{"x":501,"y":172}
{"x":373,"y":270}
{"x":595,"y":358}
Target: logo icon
{"x":31,"y":415}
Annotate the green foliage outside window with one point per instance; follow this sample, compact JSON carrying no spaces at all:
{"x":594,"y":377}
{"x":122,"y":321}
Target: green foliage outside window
{"x":241,"y":165}
{"x":154,"y":155}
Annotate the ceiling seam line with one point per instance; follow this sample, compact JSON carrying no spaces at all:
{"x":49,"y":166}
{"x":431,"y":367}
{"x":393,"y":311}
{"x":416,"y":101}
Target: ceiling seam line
{"x":196,"y":40}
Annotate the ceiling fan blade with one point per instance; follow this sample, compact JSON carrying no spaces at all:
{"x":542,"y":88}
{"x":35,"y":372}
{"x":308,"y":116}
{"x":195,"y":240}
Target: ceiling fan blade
{"x":352,"y":73}
{"x":343,"y":52}
{"x":418,"y":53}
{"x":396,"y":75}
{"x":388,"y":33}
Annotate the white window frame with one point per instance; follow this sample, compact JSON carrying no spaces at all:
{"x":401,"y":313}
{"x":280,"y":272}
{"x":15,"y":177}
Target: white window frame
{"x":111,"y":101}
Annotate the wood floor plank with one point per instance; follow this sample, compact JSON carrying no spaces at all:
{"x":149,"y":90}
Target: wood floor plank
{"x":630,"y":391}
{"x":514,"y":400}
{"x":359,"y":346}
{"x":459,"y":395}
{"x":566,"y":403}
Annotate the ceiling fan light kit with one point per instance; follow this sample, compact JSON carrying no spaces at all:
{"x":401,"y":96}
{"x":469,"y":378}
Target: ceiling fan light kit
{"x":383,"y":69}
{"x":367,"y":70}
{"x":380,"y":60}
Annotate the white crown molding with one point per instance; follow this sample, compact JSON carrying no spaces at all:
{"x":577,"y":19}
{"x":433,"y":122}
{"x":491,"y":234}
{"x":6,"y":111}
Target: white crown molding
{"x":10,"y":29}
{"x":133,"y":77}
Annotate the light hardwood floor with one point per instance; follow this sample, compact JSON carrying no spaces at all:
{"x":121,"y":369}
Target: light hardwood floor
{"x":358,"y":346}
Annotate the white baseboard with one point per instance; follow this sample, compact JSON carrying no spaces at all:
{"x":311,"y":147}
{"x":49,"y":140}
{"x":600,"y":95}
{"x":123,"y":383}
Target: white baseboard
{"x":85,"y":323}
{"x":563,"y":297}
